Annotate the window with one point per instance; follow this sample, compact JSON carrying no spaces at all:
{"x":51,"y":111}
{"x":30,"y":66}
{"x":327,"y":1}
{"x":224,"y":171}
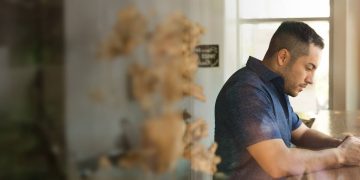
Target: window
{"x":257,"y":20}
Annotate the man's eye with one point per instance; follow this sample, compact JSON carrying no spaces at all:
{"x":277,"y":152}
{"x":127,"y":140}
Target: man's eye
{"x":309,"y":68}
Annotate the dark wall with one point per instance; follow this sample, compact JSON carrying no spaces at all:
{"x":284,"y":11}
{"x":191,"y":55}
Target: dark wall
{"x":31,"y":90}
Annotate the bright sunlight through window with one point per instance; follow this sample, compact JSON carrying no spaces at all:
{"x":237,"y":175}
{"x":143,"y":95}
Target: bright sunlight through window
{"x":257,"y":20}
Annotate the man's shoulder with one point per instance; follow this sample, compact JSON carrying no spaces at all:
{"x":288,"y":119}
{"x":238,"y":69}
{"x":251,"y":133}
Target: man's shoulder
{"x":243,"y":83}
{"x":245,"y":77}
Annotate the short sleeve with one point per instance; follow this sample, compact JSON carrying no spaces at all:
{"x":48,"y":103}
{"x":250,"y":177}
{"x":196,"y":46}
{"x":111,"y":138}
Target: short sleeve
{"x":251,"y":116}
{"x":295,"y":120}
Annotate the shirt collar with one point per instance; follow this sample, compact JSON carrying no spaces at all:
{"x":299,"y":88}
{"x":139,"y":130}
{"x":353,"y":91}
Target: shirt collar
{"x":264,"y":72}
{"x":260,"y":69}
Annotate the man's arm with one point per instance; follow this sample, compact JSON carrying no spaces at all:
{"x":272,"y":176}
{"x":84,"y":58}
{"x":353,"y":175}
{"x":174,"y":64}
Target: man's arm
{"x":278,"y":160}
{"x":311,"y":139}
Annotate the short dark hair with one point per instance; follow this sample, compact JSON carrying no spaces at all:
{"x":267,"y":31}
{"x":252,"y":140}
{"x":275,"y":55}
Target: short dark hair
{"x":296,"y":37}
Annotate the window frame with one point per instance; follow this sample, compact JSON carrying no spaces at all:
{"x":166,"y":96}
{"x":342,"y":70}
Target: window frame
{"x":242,"y":21}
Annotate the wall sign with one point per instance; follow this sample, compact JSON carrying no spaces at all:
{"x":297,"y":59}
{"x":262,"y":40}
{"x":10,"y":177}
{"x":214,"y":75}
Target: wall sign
{"x":208,"y":55}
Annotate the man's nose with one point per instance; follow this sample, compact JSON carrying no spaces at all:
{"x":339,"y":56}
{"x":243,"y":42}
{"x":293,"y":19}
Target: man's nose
{"x":309,"y":79}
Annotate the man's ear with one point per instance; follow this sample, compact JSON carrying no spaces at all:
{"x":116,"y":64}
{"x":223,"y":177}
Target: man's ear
{"x":283,"y":57}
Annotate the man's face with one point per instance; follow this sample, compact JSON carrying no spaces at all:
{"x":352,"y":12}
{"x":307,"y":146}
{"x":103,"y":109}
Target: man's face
{"x":299,"y":74}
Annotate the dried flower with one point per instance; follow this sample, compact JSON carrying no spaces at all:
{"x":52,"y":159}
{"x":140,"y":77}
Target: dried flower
{"x":104,"y":162}
{"x":162,"y":143}
{"x":144,"y":81}
{"x":166,"y":79}
{"x":164,"y":136}
{"x":128,"y":32}
{"x":203,"y":159}
{"x":195,"y":131}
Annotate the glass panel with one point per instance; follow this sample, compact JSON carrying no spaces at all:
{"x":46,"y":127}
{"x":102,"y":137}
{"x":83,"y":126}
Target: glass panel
{"x":283,"y":8}
{"x":322,"y":74}
{"x":254,"y":41}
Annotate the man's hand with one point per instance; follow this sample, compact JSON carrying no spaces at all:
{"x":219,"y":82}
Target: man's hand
{"x":350,"y":151}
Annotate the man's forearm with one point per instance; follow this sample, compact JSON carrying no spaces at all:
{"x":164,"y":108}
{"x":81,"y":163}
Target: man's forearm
{"x":313,"y":139}
{"x":279,"y":161}
{"x":299,"y":161}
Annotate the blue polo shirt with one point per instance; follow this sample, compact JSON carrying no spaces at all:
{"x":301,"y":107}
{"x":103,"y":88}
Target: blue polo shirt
{"x":251,"y":107}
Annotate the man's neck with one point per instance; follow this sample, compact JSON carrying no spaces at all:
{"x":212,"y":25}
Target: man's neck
{"x":269,"y":63}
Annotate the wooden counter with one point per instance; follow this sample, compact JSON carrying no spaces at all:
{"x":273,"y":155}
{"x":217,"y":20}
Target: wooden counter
{"x":336,"y":124}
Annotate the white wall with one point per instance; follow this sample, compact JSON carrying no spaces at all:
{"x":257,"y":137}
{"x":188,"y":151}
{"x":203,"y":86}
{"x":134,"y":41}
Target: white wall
{"x":211,"y":16}
{"x":90,"y":127}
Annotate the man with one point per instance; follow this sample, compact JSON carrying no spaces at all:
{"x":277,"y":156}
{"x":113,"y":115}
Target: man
{"x":255,"y":124}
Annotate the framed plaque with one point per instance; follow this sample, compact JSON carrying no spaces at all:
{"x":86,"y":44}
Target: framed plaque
{"x":208,"y":55}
